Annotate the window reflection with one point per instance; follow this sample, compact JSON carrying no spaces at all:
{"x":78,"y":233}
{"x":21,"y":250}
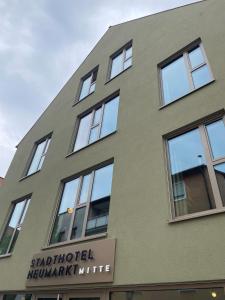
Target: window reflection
{"x":216,"y":133}
{"x":220,"y":177}
{"x":13,"y":227}
{"x":175,"y":80}
{"x":84,"y":206}
{"x":187,"y":294}
{"x":190,"y":180}
{"x":64,"y":215}
{"x":97,"y":124}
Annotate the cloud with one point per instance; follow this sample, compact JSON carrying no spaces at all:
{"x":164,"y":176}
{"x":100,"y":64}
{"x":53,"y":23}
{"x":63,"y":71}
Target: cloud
{"x":41,"y":45}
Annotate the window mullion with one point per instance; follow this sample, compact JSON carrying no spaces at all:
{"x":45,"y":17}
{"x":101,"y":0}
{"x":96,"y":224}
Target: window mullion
{"x":124,"y":57}
{"x":88,"y":204}
{"x":91,"y":124}
{"x":212,"y":176}
{"x":101,"y":120}
{"x":189,"y":70}
{"x":74,"y":210}
{"x":89,"y":90}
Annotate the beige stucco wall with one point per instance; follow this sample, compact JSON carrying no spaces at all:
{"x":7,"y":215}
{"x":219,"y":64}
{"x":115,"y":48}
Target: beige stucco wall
{"x":149,"y":250}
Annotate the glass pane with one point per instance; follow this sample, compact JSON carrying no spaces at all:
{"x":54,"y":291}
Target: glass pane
{"x":102,"y":183}
{"x":6,"y":239}
{"x":85,"y":87}
{"x":41,"y":162}
{"x":127,"y":63}
{"x":15,"y":218}
{"x":78,"y":223}
{"x":201,"y":76}
{"x":14,"y":239}
{"x":97,"y":116}
{"x":176,"y":294}
{"x":92,"y":88}
{"x":24,"y":212}
{"x":36,"y":158}
{"x":196,"y":57}
{"x":94,"y":134}
{"x":117,"y":65}
{"x":216,"y":133}
{"x":189,"y":174}
{"x":98,"y":217}
{"x":128,"y":53}
{"x":220,"y":176}
{"x":63,"y":219}
{"x":17,"y":297}
{"x":47,"y":142}
{"x":85,"y":189}
{"x":175,"y":80}
{"x":109,"y":122}
{"x":83,"y":132}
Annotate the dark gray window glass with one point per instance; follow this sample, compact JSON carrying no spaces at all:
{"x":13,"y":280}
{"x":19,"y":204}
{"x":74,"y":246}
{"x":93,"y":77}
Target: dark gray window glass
{"x":109,"y":122}
{"x":175,"y":80}
{"x":84,"y":206}
{"x":78,"y":223}
{"x":216,"y":133}
{"x":18,"y":297}
{"x":97,"y":124}
{"x":13,"y":227}
{"x":88,"y":85}
{"x":189,"y":170}
{"x":188,"y":72}
{"x":39,"y":156}
{"x":173,"y":294}
{"x":65,"y":212}
{"x":121,"y":61}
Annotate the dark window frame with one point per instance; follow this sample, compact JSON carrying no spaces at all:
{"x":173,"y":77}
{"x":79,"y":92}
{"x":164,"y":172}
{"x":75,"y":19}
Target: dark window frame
{"x":174,"y":57}
{"x":114,"y":55}
{"x":86,"y":76}
{"x":210,"y":163}
{"x":19,"y":224}
{"x":47,"y":138}
{"x":80,"y":176}
{"x":92,"y":110}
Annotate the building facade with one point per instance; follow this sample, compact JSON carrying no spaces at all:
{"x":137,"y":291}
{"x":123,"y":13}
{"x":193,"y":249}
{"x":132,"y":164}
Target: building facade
{"x":118,"y":190}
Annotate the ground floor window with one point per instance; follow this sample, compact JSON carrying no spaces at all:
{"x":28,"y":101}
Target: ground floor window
{"x":182,"y":294}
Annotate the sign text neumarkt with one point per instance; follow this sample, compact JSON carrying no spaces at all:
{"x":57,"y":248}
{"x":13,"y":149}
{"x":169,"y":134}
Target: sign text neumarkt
{"x":85,"y":263}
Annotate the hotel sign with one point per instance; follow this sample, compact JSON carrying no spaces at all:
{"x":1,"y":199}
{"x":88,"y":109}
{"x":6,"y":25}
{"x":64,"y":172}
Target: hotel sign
{"x":91,"y":262}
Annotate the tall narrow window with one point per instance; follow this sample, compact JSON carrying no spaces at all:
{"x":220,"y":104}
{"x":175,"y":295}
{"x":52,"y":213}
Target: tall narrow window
{"x":88,"y":84}
{"x":197,"y":169}
{"x":121,"y":60}
{"x":39,"y":155}
{"x":13,"y":227}
{"x":98,"y":123}
{"x":185,"y":73}
{"x":84,"y":206}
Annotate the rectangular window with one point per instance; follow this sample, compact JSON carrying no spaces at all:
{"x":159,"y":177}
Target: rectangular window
{"x":197,"y":169}
{"x":13,"y":227}
{"x":121,"y":60}
{"x":97,"y":124}
{"x":39,"y":155}
{"x":88,"y":84}
{"x":84,"y":206}
{"x":186,"y":72}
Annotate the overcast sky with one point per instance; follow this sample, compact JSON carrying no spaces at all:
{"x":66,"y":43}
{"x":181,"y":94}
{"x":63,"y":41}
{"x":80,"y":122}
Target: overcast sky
{"x":42,"y":42}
